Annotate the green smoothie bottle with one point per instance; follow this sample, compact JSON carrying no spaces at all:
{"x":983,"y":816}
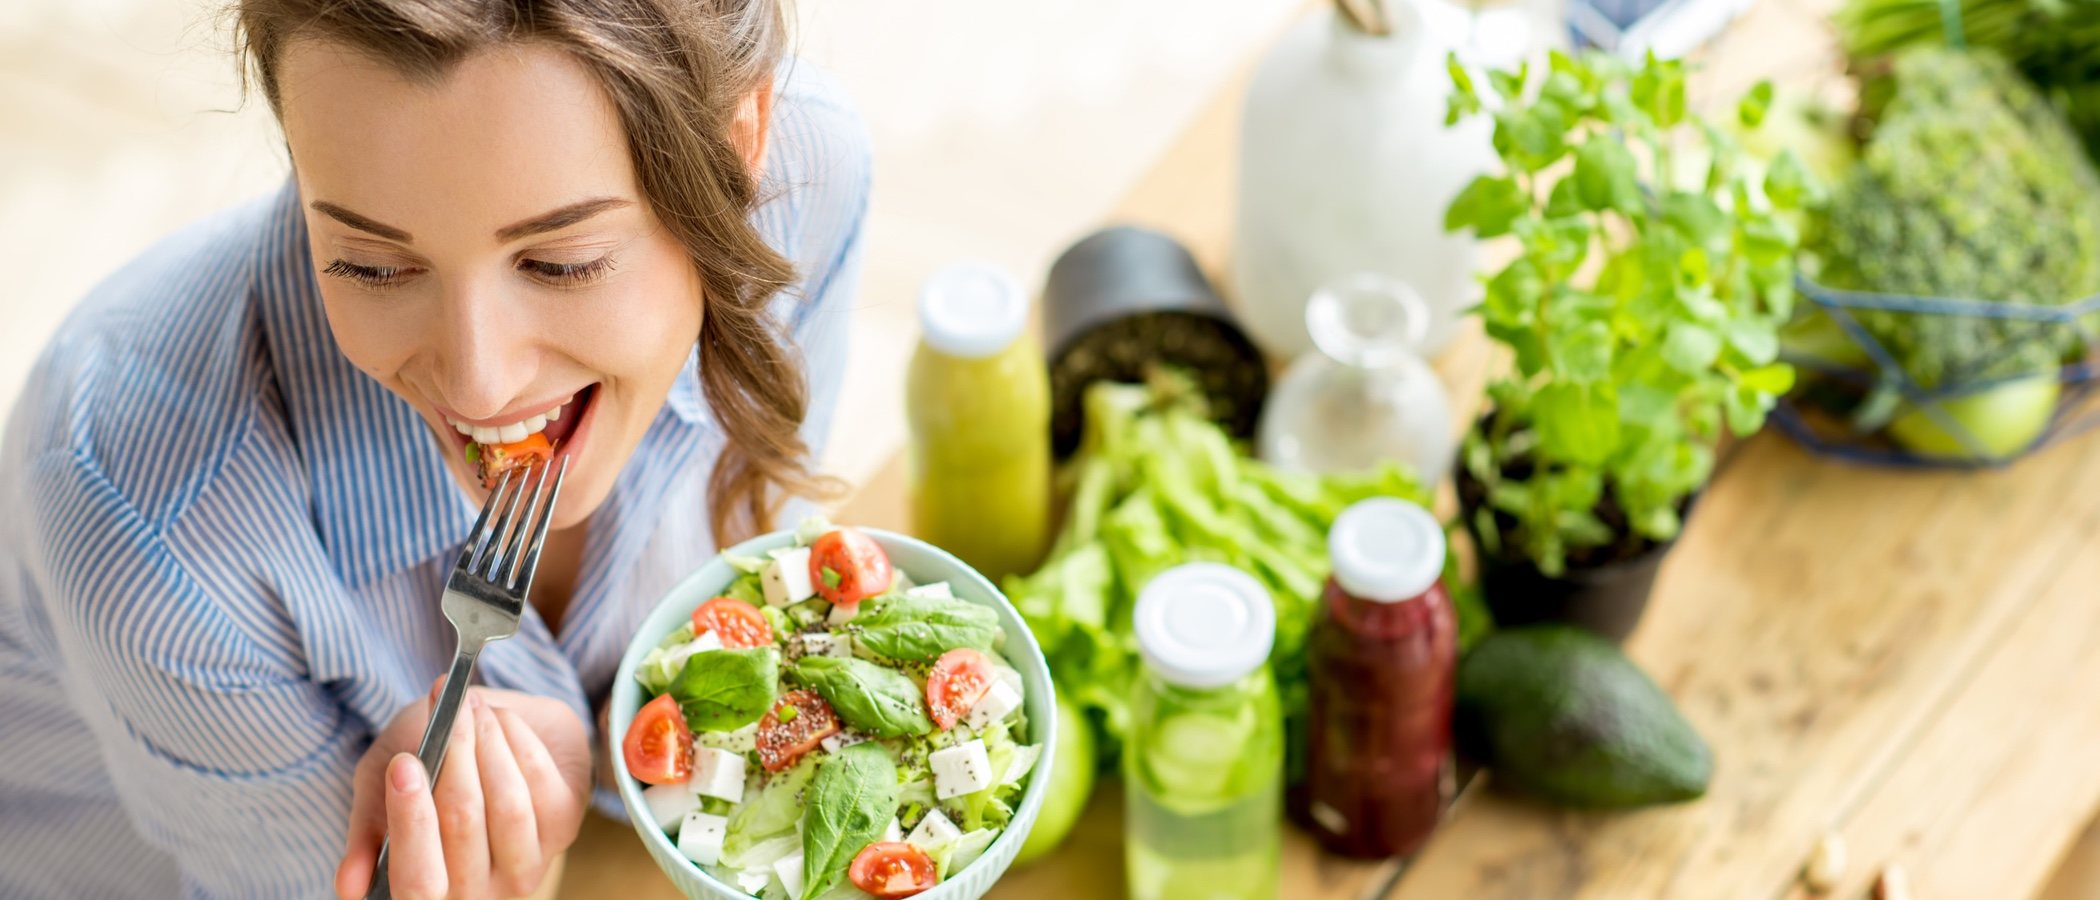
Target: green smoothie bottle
{"x":978,"y":401}
{"x":1203,"y":768}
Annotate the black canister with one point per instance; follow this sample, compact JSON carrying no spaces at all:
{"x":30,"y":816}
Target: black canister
{"x":1125,"y":300}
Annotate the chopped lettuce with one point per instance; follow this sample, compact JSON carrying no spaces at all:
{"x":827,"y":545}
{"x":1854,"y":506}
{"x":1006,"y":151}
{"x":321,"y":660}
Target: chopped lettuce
{"x":958,"y":852}
{"x":661,"y":666}
{"x":772,"y":812}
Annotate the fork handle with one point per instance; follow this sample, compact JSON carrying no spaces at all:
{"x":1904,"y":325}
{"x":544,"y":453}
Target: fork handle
{"x":431,"y":752}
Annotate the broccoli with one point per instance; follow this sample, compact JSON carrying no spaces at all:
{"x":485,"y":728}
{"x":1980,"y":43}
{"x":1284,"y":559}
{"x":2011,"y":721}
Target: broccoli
{"x":1970,"y":186}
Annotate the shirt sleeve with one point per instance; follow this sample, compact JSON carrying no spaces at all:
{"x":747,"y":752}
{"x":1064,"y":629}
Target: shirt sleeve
{"x":223,"y":753}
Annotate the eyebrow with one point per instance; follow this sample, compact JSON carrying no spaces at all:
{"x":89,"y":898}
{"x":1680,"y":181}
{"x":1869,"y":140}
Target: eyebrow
{"x":545,"y":222}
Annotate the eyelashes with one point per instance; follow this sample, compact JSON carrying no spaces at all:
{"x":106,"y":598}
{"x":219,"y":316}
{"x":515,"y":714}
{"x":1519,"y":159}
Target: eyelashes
{"x":551,"y":273}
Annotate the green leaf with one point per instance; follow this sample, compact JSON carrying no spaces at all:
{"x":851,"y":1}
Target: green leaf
{"x":1691,"y":348}
{"x":723,"y":690}
{"x":1695,"y":216}
{"x":1583,"y":353}
{"x":1745,"y":408}
{"x":1752,"y":108}
{"x":1564,"y":200}
{"x":919,"y":629}
{"x":1606,"y":176}
{"x":851,"y":801}
{"x":831,"y":578}
{"x":872,"y":698}
{"x":1510,"y":85}
{"x":1511,"y":298}
{"x":1578,"y":423}
{"x":1487,"y":205}
{"x":1777,"y":378}
{"x":1755,"y":339}
{"x":1787,"y":182}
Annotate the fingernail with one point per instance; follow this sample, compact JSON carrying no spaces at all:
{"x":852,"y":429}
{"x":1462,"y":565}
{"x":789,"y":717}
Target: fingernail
{"x":407,"y":775}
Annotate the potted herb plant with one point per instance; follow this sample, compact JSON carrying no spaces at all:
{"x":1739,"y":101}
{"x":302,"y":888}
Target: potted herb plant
{"x":1654,"y":264}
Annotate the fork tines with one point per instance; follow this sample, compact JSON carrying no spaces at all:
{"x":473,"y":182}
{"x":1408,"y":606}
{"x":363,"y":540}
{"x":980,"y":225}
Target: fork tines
{"x":504,"y":547}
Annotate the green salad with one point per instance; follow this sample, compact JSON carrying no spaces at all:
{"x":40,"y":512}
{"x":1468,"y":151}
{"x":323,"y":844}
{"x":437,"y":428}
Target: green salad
{"x":828,"y":728}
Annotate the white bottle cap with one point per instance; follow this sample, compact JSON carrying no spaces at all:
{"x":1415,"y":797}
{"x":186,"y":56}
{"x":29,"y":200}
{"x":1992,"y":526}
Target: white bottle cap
{"x":972,"y":310}
{"x":1386,"y":550}
{"x":1205,"y":625}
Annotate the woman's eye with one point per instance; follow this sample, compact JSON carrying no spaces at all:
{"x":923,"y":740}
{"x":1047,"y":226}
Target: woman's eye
{"x":566,"y":274}
{"x":369,"y":276}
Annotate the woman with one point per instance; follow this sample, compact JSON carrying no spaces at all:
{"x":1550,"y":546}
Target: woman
{"x":237,"y":479}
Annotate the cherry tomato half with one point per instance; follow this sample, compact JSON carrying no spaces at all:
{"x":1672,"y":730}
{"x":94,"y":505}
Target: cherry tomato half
{"x":847,"y":566}
{"x":959,"y":679}
{"x":893,"y":869}
{"x":736,"y":623}
{"x":496,"y":459}
{"x":798,"y":721}
{"x":658,"y":746}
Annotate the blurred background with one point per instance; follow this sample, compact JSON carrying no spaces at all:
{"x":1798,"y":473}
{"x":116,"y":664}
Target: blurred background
{"x":1001,"y":131}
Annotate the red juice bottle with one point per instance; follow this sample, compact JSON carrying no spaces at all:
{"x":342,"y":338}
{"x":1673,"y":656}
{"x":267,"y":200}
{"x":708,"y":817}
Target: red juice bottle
{"x":1381,"y":659}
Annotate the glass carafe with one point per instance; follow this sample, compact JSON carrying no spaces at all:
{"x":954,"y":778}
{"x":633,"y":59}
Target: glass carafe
{"x":1365,"y":396}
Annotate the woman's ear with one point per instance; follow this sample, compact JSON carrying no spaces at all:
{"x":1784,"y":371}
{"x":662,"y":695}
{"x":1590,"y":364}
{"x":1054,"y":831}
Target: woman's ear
{"x":754,"y":121}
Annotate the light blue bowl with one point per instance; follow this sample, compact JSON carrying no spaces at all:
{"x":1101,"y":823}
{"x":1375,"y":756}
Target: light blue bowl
{"x":925,"y":564}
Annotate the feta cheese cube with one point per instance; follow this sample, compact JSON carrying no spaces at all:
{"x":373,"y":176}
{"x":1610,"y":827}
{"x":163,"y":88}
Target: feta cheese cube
{"x":786,"y":579}
{"x":742,"y":740}
{"x":961,"y":769}
{"x":841,"y":614}
{"x":894,"y":833}
{"x":818,"y":644}
{"x":753,"y":881}
{"x":938,"y":590}
{"x":700,"y":837}
{"x":669,"y":803}
{"x":718,"y":773}
{"x":994,"y":706}
{"x":934,"y":829}
{"x":789,"y":870}
{"x":1010,"y":677}
{"x":707,"y":640}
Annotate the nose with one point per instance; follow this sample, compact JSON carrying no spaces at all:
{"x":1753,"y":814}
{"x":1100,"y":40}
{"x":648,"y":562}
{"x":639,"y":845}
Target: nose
{"x":484,"y":350}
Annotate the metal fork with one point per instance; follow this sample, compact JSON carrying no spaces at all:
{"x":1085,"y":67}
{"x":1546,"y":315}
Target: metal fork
{"x":483,"y":600}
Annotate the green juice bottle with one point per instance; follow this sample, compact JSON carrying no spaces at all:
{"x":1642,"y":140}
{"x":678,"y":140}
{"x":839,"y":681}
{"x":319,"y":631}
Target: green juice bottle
{"x":977,"y":397}
{"x":1203,"y":768}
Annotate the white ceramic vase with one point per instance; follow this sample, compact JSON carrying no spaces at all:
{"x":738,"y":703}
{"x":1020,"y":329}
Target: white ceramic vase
{"x":1346,"y":166}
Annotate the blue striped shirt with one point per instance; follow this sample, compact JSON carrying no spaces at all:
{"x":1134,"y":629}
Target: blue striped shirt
{"x":222,"y":546}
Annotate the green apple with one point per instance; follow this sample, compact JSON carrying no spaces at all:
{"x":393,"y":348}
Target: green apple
{"x":2003,"y":420}
{"x":1071,"y":783}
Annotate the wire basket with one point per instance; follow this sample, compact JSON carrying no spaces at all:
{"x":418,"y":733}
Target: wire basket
{"x":1839,"y":407}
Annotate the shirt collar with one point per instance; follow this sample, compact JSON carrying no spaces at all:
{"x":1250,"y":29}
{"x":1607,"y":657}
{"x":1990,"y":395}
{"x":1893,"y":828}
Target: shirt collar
{"x":382,"y":499}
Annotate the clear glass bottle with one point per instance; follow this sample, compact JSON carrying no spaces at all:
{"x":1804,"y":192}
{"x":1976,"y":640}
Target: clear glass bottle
{"x":1381,"y":659}
{"x":977,"y":397}
{"x":1203,"y":767}
{"x":1365,"y":397}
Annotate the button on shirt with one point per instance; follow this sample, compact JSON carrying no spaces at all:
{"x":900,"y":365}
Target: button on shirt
{"x":222,"y":546}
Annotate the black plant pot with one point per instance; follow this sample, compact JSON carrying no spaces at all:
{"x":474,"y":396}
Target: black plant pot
{"x":1607,"y":599}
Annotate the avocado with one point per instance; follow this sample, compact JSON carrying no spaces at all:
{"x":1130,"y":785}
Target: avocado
{"x":1560,"y":714}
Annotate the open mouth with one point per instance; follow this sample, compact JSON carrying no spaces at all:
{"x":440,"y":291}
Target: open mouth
{"x":496,"y":449}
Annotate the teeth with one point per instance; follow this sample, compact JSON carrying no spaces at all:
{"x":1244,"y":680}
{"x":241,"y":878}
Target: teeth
{"x":486,"y":435}
{"x":464,"y":428}
{"x":508,"y":434}
{"x":512,"y":433}
{"x":535,"y":424}
{"x":555,"y":413}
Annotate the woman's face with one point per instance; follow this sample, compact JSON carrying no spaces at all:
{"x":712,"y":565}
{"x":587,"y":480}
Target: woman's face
{"x":483,"y":251}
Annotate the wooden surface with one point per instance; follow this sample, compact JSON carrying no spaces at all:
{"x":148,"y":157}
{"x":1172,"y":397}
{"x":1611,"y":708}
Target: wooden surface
{"x":1906,"y":659}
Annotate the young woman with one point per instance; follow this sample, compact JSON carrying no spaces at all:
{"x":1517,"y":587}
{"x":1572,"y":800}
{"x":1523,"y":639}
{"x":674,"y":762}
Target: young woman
{"x":236,"y":482}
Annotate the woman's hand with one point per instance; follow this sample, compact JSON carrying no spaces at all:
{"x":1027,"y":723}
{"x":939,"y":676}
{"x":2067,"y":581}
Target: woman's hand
{"x":509,"y":799}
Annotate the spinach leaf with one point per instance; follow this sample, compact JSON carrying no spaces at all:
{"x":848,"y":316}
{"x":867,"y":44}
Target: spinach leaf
{"x":850,"y":802}
{"x":723,"y":690}
{"x":920,"y":629}
{"x":880,"y":701}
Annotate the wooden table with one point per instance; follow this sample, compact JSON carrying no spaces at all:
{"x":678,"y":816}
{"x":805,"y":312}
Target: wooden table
{"x":1908,"y":660}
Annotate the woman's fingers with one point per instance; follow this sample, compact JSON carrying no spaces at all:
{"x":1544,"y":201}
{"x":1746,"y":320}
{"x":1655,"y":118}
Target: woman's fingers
{"x":557,"y":806}
{"x":353,"y":876}
{"x":460,"y":806}
{"x":514,"y":842}
{"x":415,"y":851}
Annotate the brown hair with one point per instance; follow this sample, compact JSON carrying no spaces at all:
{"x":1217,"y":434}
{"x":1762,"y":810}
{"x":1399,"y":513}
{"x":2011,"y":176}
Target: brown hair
{"x":677,"y":71}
